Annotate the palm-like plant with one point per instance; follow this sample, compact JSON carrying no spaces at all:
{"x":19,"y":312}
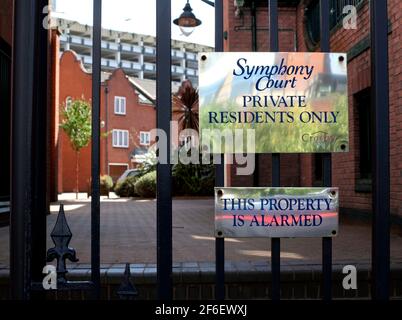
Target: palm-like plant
{"x":185,"y":106}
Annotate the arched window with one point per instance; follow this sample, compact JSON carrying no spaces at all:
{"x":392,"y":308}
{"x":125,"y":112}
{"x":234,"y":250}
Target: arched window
{"x":312,"y":22}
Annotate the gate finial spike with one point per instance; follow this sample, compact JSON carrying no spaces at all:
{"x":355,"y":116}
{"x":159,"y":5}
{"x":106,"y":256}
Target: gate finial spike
{"x":127,"y":290}
{"x":61,"y":236}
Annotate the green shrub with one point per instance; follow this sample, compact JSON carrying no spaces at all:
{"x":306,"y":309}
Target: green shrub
{"x":106,"y":184}
{"x":125,"y":188}
{"x":207,"y":181}
{"x":193,"y":179}
{"x":145,"y":186}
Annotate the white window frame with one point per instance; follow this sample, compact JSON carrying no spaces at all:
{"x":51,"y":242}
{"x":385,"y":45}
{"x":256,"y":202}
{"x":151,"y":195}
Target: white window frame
{"x":145,"y":133}
{"x":120,"y":138}
{"x":120,"y":108}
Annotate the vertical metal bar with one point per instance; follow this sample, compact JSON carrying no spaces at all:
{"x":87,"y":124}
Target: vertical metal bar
{"x":219,"y":170}
{"x":327,"y":164}
{"x":40,"y":192}
{"x":273,"y":25}
{"x":164,"y":106}
{"x":254,"y":48}
{"x":253,"y":26}
{"x":276,"y":160}
{"x":220,"y":268}
{"x":380,"y":150}
{"x":95,"y":161}
{"x":21,"y":147}
{"x":324,"y":25}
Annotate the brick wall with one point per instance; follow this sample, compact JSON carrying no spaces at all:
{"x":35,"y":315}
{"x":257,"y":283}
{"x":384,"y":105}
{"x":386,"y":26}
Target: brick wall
{"x":345,"y":165}
{"x":395,"y":76}
{"x":243,"y":280}
{"x":76,"y":83}
{"x":54,"y":130}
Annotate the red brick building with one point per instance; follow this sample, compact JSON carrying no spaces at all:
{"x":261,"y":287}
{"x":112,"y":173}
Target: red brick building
{"x":127,"y":116}
{"x":299,"y":31}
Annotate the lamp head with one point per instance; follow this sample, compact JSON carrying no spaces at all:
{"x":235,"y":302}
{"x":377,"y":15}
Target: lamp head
{"x":187,"y":20}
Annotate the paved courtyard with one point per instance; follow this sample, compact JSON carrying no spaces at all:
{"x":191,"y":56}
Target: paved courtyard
{"x":128,"y":234}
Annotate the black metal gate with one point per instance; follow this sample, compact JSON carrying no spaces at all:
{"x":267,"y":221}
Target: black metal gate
{"x":28,"y":199}
{"x":5,"y":103}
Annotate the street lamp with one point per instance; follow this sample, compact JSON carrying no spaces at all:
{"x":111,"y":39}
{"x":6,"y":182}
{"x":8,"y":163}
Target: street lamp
{"x":187,"y":20}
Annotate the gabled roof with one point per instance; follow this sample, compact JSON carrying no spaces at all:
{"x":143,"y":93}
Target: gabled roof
{"x":147,"y":87}
{"x":105,"y":76}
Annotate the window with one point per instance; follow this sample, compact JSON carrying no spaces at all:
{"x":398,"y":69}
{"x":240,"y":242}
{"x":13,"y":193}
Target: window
{"x":363,"y":108}
{"x":145,"y":138}
{"x":312,"y":13}
{"x":69,"y":101}
{"x":120,"y":105}
{"x":120,"y":138}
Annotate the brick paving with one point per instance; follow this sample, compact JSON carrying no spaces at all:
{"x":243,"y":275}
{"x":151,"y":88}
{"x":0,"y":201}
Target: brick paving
{"x":128,"y":234}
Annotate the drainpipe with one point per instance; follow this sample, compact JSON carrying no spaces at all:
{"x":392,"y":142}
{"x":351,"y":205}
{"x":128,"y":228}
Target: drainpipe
{"x":107,"y":129}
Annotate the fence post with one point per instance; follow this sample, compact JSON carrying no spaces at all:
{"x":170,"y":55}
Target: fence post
{"x":380,"y":150}
{"x":95,"y":152}
{"x":163,"y":113}
{"x":219,"y":171}
{"x":25,"y":31}
{"x":327,"y":164}
{"x":40,"y":191}
{"x":276,"y":160}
